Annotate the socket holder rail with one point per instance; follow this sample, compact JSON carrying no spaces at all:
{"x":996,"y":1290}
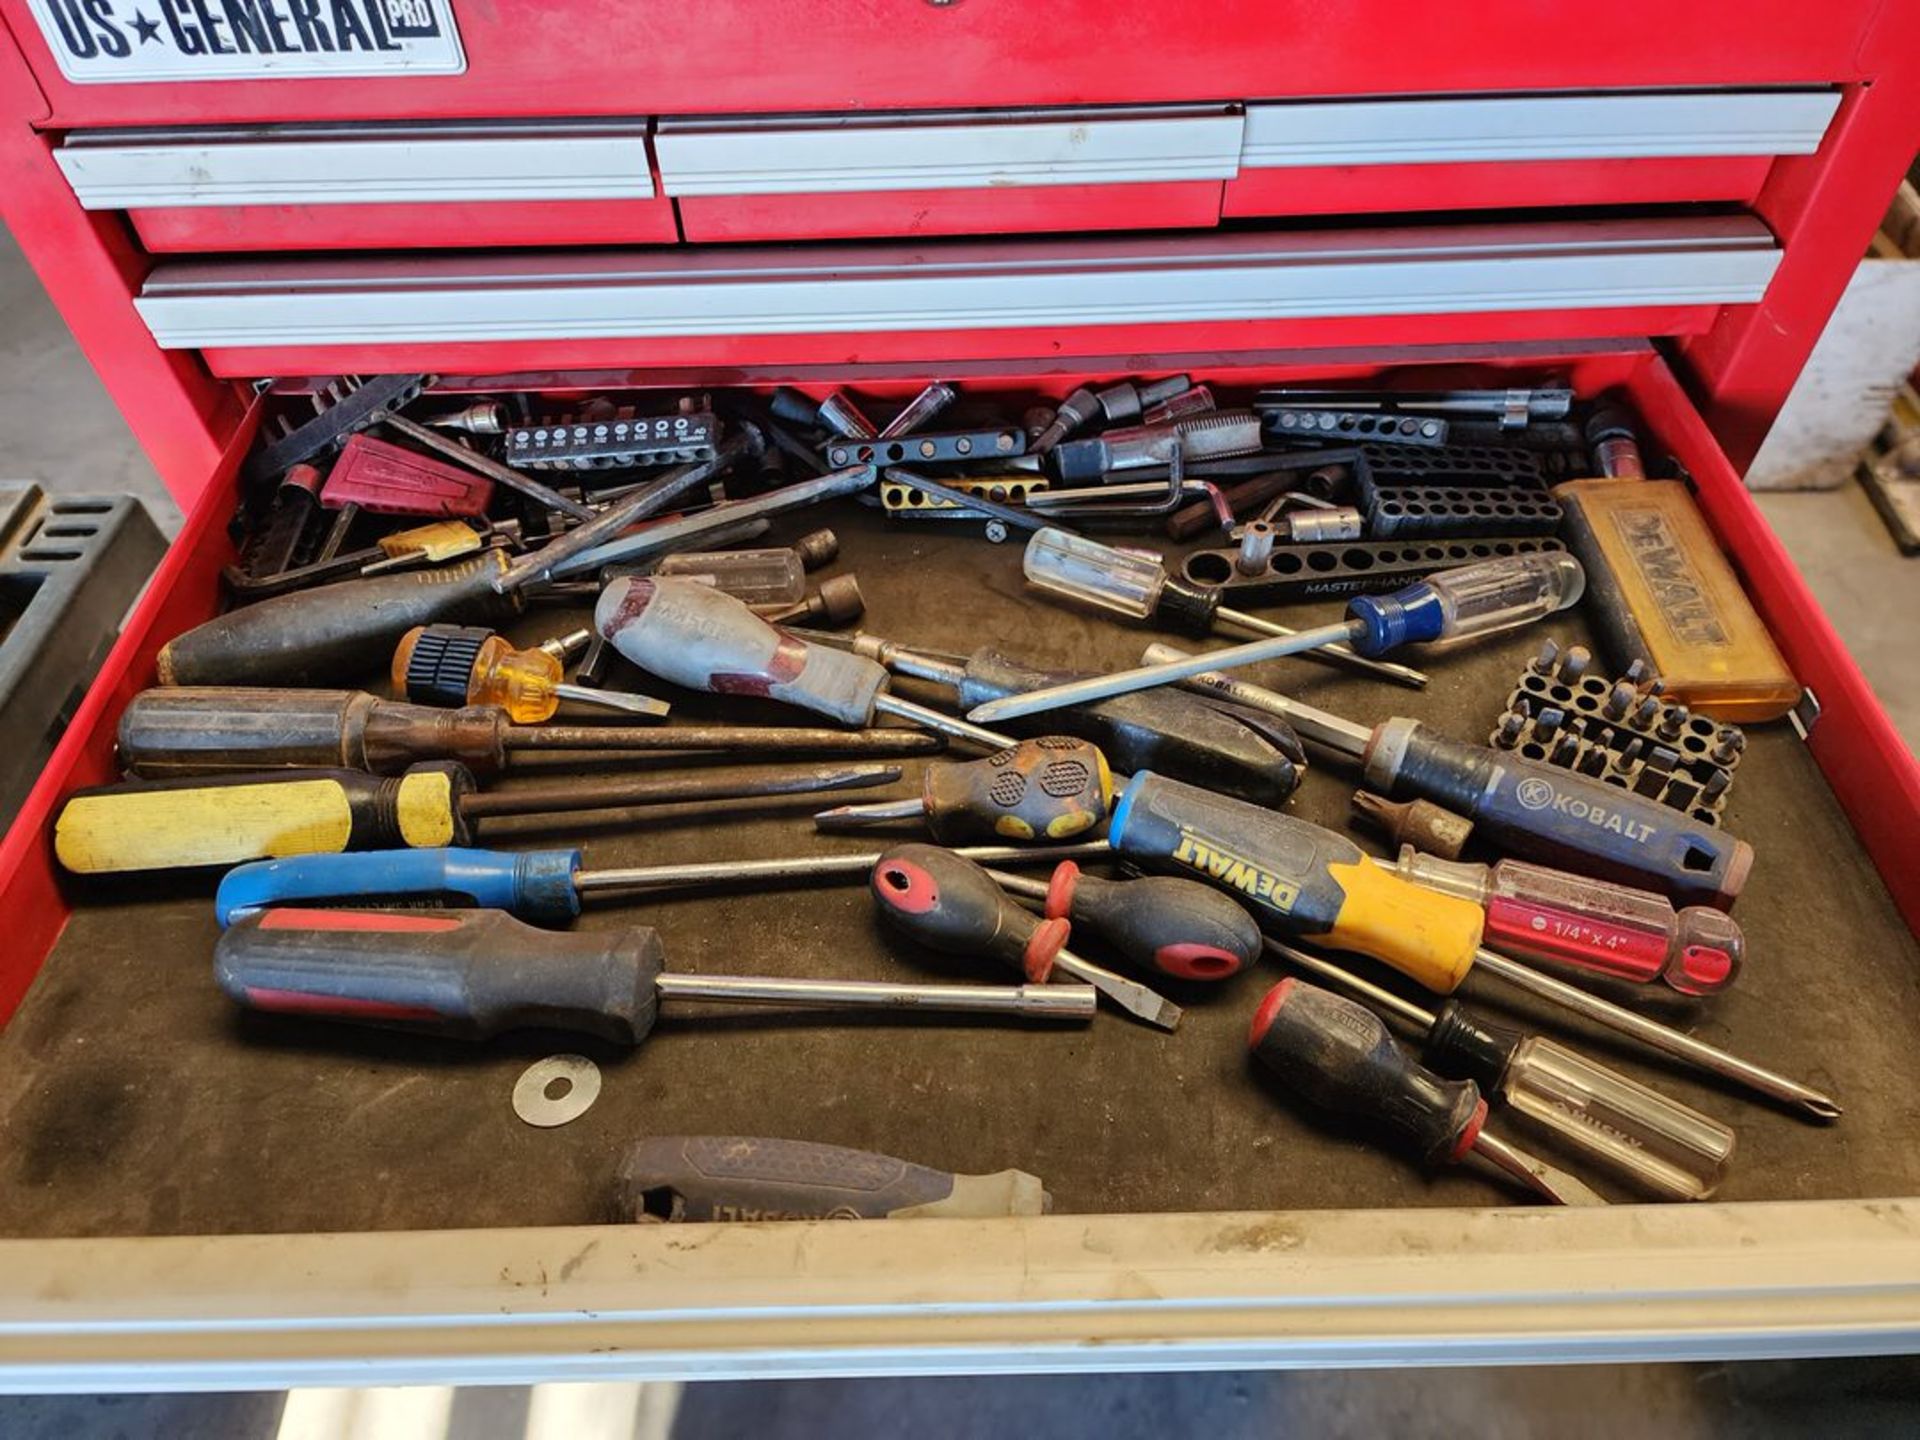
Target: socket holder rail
{"x":1621,"y":731}
{"x":616,"y":442}
{"x":936,"y":447}
{"x":1454,"y":490}
{"x":1341,"y":568}
{"x":1347,"y":427}
{"x":903,"y":501}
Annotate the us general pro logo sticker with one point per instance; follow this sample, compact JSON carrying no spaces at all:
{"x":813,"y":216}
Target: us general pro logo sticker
{"x":102,"y":42}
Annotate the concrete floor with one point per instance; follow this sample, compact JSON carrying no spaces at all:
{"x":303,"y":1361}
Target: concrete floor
{"x":57,"y":426}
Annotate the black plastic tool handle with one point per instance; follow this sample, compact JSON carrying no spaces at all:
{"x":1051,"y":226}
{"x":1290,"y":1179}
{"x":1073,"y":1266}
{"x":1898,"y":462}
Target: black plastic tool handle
{"x":698,"y":1178}
{"x":1053,"y":789}
{"x":1168,"y":731}
{"x":1178,"y":927}
{"x":469,"y":975}
{"x":1339,"y":1056}
{"x":947,"y":902}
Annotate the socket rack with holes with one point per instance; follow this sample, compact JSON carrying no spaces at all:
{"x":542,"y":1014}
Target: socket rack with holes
{"x":1619,"y":731}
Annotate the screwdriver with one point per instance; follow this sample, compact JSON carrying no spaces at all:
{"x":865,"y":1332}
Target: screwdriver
{"x":1052,"y":788}
{"x":541,"y":885}
{"x":947,"y":902}
{"x":475,"y":973}
{"x":1222,"y":747}
{"x":1556,"y":816}
{"x":1654,"y":1143}
{"x":206,"y":730}
{"x":1129,"y":582}
{"x":1311,"y":884}
{"x":693,"y":635}
{"x":1449,"y":606}
{"x":227,"y":819}
{"x":1538,"y":914}
{"x":452,"y":665}
{"x":1340,"y":1057}
{"x":1178,"y":927}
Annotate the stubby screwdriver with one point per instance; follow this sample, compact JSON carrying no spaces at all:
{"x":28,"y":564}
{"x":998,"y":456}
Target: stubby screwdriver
{"x":473,"y":974}
{"x":228,"y":819}
{"x":1053,"y":788}
{"x":1449,"y":606}
{"x":1128,"y":582}
{"x":1311,"y":884}
{"x":1538,"y":914}
{"x":947,"y":902}
{"x":547,"y":886}
{"x":1178,"y":927}
{"x":1556,"y":816}
{"x":1656,"y":1144}
{"x":453,"y":665}
{"x":694,"y":636}
{"x":1339,"y":1056}
{"x":216,"y":729}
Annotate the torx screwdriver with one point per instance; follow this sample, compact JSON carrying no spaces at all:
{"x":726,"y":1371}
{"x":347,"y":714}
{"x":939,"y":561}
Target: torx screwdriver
{"x":210,"y":730}
{"x":949,"y":903}
{"x":1340,"y":1057}
{"x":455,"y":665}
{"x":1534,"y":913}
{"x":1311,"y":884}
{"x":694,"y":636}
{"x":473,"y":974}
{"x":1128,"y":582}
{"x":1647,"y":1139}
{"x":1178,"y":927}
{"x":1225,"y":748}
{"x":1052,"y":788}
{"x":228,"y":819}
{"x":1556,"y":816}
{"x":1451,"y":605}
{"x":547,"y":886}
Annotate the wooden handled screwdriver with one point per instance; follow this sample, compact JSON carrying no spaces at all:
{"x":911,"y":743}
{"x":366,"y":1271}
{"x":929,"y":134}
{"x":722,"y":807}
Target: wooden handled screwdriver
{"x":230,"y":819}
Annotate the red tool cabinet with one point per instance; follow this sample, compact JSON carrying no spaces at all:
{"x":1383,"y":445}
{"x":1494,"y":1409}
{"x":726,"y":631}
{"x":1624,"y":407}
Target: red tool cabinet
{"x":1663,"y":199}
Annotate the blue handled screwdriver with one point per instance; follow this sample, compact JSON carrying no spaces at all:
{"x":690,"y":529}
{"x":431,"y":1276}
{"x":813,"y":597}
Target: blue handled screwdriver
{"x":1449,"y":606}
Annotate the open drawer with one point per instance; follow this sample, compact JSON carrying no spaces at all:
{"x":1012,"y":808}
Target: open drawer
{"x":268,"y":1201}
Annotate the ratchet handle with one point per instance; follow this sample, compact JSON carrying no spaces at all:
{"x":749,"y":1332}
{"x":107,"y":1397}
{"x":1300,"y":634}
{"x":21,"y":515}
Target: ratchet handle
{"x":467,"y":975}
{"x":701,"y":1178}
{"x":948,"y":903}
{"x":536,"y":885}
{"x":1178,"y":927}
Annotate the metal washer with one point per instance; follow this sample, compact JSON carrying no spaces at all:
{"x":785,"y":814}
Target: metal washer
{"x":532,"y":1103}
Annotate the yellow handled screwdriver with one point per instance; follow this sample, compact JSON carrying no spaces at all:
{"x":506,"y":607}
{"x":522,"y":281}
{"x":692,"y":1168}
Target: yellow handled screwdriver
{"x":454,"y":665}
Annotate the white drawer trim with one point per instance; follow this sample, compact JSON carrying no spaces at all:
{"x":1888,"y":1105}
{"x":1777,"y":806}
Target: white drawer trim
{"x":1536,"y":127}
{"x":852,"y":154}
{"x":344,"y":166}
{"x":837,"y":289}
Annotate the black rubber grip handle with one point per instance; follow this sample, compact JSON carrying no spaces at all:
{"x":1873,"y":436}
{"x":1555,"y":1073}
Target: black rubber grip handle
{"x":1178,"y":927}
{"x":1051,"y":788}
{"x":469,"y":975}
{"x":1340,"y":1058}
{"x":1169,"y":731}
{"x":947,"y":902}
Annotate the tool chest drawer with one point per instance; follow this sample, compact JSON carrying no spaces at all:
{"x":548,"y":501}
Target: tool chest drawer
{"x":411,"y":1227}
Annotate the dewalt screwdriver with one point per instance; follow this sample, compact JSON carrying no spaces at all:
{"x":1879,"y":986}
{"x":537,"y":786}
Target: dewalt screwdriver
{"x":1131,"y":583}
{"x":476,"y":973}
{"x":946,"y":902}
{"x":1053,"y":788}
{"x":693,"y":635}
{"x":547,"y":886}
{"x":1449,"y":606}
{"x":454,"y":665}
{"x":1308,"y":883}
{"x":1224,"y":747}
{"x":1652,"y":1142}
{"x":1339,"y":1056}
{"x":216,"y":729}
{"x":228,"y":819}
{"x":1557,"y":816}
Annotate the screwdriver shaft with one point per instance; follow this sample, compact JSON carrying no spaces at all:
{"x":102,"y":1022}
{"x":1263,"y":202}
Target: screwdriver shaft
{"x":723,"y":739}
{"x":1320,"y":726}
{"x":623,"y":700}
{"x":1338,"y":654}
{"x":1533,"y":1172}
{"x":945,"y":724}
{"x":811,"y":867}
{"x":1131,"y":996}
{"x":1697,"y":1053}
{"x":671,"y":790}
{"x":1047,"y":1002}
